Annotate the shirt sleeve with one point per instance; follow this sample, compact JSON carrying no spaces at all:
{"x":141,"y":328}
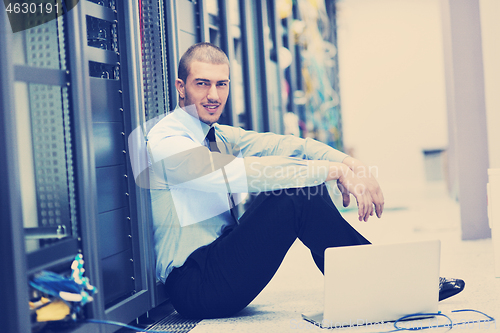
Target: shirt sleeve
{"x":253,"y":143}
{"x":179,"y":162}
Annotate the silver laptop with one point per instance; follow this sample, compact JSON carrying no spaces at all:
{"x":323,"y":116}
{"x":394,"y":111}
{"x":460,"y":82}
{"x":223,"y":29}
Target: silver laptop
{"x":370,"y":284}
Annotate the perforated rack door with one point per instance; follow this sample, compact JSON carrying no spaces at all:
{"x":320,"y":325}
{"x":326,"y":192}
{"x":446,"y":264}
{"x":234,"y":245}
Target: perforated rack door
{"x":52,"y":157}
{"x":50,"y":122}
{"x":47,"y":128}
{"x":40,"y":67}
{"x":154,"y":70}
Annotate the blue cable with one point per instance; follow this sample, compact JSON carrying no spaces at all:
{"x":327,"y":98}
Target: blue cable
{"x":397,"y":328}
{"x":451,"y":324}
{"x":490,"y":318}
{"x":421,"y":327}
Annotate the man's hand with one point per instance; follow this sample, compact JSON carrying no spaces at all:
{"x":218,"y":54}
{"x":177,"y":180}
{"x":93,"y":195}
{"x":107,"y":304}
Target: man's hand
{"x":364,"y":172}
{"x":355,"y":178}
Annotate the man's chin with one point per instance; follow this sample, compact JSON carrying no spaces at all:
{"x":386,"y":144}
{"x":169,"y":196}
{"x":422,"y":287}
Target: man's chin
{"x":210,"y":119}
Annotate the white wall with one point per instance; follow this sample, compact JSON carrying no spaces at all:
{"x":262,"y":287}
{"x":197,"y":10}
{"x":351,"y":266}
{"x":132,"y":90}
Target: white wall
{"x":392,"y":84}
{"x":490,"y":32}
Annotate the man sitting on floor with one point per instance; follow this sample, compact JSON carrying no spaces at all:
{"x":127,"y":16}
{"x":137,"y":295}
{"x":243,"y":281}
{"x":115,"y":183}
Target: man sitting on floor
{"x":213,"y":262}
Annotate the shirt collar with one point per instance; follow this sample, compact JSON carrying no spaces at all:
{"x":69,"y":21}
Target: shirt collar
{"x":189,"y":118}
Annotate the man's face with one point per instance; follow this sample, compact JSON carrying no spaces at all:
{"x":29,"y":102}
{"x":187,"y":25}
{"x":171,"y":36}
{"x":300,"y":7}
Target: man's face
{"x":206,"y":87}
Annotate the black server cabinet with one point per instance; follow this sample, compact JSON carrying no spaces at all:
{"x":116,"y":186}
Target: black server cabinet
{"x":41,"y":219}
{"x":109,"y":130}
{"x":45,"y":144}
{"x":12,"y":256}
{"x":109,"y":35}
{"x":71,"y":94}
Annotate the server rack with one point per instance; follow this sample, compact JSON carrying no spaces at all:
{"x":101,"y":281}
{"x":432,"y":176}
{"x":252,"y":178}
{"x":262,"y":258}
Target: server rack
{"x":113,"y":65}
{"x":270,"y":75}
{"x":317,"y":97}
{"x":109,"y":49}
{"x":254,"y":103}
{"x":69,"y":86}
{"x":12,"y":253}
{"x":182,"y":27}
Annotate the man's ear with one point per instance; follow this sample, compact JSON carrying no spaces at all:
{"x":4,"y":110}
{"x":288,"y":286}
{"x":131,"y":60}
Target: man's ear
{"x":179,"y":85}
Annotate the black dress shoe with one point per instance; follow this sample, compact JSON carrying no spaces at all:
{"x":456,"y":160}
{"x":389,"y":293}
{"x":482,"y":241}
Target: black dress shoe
{"x":450,"y":287}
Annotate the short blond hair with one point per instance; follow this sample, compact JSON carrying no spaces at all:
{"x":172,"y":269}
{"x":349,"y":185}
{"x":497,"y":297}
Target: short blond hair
{"x":203,"y":52}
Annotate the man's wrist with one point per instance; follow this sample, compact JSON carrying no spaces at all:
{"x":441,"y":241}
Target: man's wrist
{"x":359,"y":168}
{"x":337,"y":171}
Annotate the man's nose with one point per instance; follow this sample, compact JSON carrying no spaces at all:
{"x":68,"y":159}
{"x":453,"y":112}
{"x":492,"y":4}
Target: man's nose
{"x":213,"y":95}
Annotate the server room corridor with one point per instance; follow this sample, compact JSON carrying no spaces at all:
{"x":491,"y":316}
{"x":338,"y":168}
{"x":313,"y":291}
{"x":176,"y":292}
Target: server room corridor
{"x":408,"y":87}
{"x":394,"y":117}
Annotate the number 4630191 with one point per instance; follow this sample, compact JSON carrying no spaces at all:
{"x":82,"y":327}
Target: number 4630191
{"x":32,"y":8}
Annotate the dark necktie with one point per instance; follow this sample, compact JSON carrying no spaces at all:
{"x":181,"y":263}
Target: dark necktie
{"x":212,"y":145}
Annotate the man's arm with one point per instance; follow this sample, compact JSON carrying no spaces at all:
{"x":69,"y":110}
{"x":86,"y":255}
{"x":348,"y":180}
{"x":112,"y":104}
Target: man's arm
{"x":179,"y":161}
{"x":253,"y":143}
{"x":354,"y":177}
{"x":360,"y":176}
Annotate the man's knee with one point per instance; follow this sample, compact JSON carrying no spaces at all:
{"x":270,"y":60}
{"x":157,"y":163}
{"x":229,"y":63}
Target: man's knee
{"x":297,"y":195}
{"x":312,"y":192}
{"x":304,"y":196}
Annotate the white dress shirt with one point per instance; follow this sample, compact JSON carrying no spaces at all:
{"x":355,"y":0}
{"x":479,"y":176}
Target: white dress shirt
{"x":189,"y":193}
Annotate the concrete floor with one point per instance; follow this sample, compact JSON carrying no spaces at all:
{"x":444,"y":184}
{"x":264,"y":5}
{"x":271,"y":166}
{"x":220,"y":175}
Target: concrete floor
{"x":419,"y":213}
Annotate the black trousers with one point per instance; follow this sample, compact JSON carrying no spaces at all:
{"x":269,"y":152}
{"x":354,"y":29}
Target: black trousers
{"x":223,"y":277}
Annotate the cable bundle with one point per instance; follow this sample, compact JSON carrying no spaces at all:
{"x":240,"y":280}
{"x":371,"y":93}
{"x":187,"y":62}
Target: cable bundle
{"x":70,"y":293}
